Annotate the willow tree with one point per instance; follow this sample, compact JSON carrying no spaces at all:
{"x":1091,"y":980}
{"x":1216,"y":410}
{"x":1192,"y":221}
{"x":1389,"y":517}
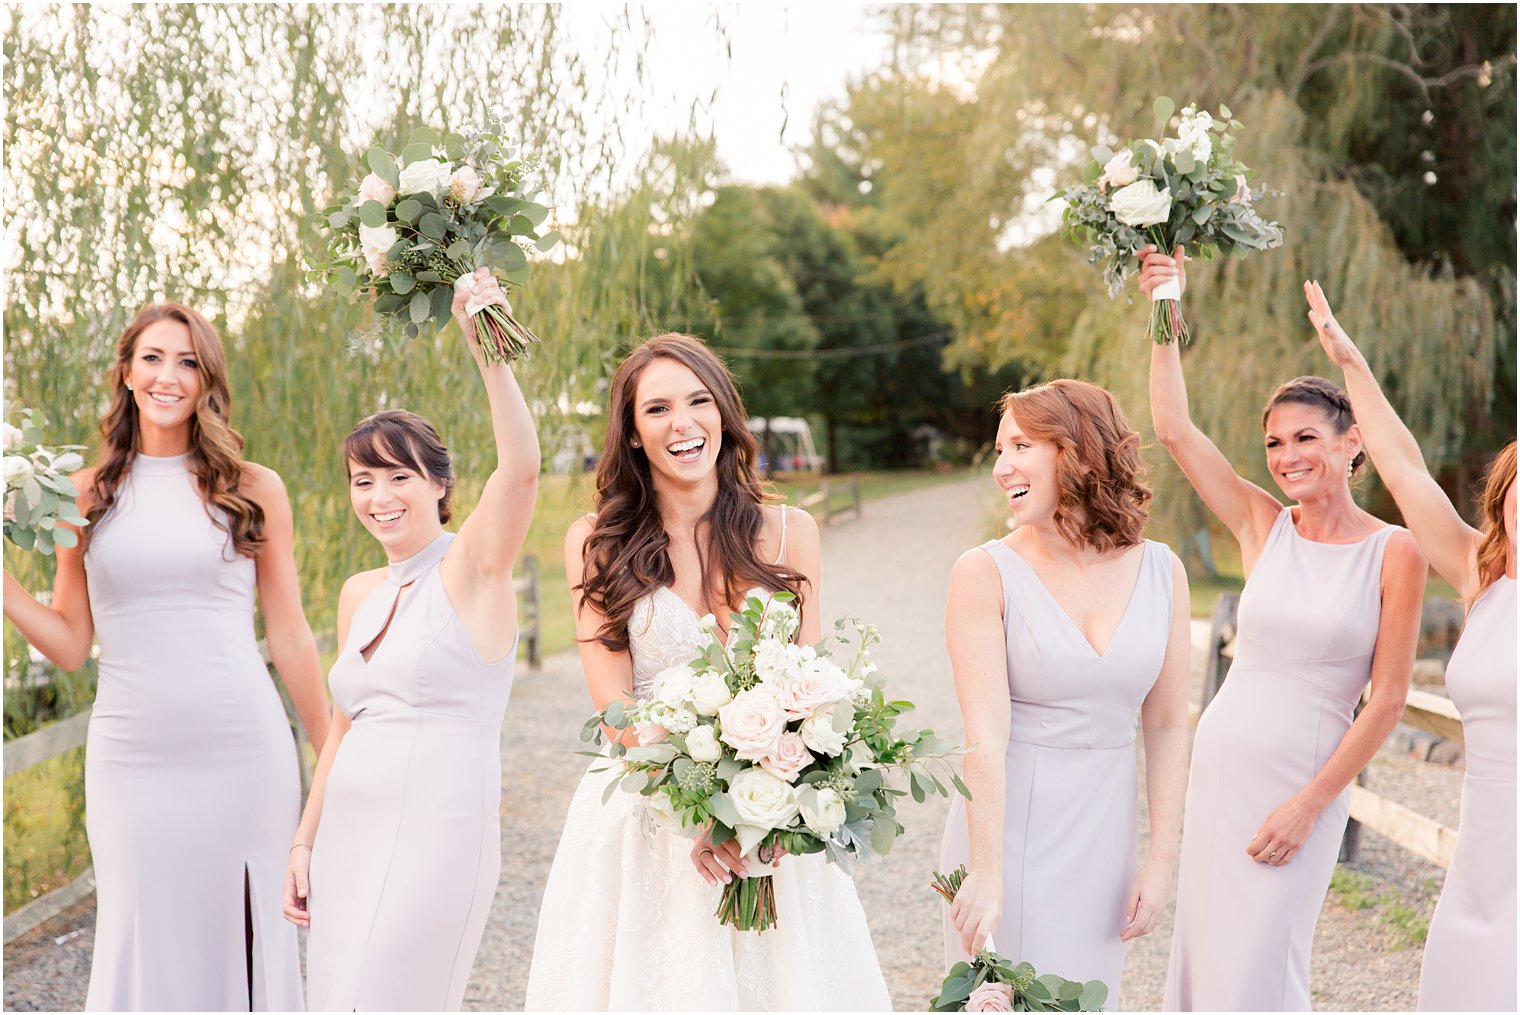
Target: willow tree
{"x":1386,"y":135}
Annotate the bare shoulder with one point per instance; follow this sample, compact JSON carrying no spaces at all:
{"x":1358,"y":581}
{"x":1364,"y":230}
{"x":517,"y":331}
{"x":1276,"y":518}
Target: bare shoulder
{"x":578,"y":532}
{"x":84,"y":483}
{"x":262,"y":484}
{"x":975,"y":571}
{"x":358,"y":586}
{"x":1402,"y":558}
{"x":798,"y":522}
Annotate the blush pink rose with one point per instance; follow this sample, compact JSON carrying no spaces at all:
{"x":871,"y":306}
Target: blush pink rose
{"x":991,"y":997}
{"x":651,"y":733}
{"x":752,"y":724}
{"x":809,"y":691}
{"x":1119,"y":171}
{"x":373,"y":188}
{"x":789,"y":758}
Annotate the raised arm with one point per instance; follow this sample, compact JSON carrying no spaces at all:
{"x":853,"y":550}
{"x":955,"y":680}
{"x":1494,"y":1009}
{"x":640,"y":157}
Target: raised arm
{"x":64,"y":629}
{"x":979,"y":661}
{"x":292,"y":648}
{"x":1246,"y":509}
{"x":1448,"y":542}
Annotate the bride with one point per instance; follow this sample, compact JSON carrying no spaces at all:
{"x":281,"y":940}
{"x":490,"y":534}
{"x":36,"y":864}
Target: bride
{"x":682,"y":530}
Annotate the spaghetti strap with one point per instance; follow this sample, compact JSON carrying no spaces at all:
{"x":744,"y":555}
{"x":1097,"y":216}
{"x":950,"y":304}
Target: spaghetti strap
{"x":781,"y":554}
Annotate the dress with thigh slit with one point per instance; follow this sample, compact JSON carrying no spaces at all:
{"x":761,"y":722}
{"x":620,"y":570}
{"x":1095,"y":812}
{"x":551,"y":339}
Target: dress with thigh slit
{"x":192,"y":792}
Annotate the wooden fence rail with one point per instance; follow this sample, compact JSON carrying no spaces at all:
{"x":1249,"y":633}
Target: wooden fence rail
{"x":821,"y":504}
{"x":69,"y":734}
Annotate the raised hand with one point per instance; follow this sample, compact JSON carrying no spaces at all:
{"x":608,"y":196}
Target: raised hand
{"x":1332,"y":337}
{"x":477,"y":289}
{"x":1156,"y":268}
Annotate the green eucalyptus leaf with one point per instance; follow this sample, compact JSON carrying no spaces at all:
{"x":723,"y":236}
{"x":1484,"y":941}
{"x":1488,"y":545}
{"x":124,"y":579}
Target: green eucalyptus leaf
{"x":421,"y":308}
{"x":372,"y":214}
{"x":408,"y":208}
{"x":402,"y":282}
{"x":416,"y":153}
{"x":434,"y":226}
{"x":1164,"y":107}
{"x":546,"y":242}
{"x":383,"y":164}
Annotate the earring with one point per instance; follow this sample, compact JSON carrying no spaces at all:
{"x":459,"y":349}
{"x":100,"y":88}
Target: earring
{"x":1350,"y":469}
{"x":129,"y":385}
{"x":637,"y":443}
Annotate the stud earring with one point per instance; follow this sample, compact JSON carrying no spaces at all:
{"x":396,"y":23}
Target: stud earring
{"x":637,"y":443}
{"x":129,"y":385}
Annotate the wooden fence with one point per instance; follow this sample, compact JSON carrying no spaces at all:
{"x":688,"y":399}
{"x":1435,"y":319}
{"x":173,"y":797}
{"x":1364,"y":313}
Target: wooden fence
{"x":821,"y":505}
{"x":1433,"y":713}
{"x":69,"y":734}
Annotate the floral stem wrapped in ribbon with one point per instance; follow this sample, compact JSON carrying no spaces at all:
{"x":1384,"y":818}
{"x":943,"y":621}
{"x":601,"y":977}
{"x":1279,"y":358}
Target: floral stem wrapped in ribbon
{"x":423,"y":221}
{"x":38,"y":491}
{"x":777,"y":746}
{"x":1189,"y":191}
{"x":990,"y":982}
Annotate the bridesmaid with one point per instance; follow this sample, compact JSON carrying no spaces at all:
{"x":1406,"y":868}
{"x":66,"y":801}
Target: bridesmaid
{"x":1331,"y":601}
{"x":191,"y":782}
{"x":402,"y":832}
{"x":1062,"y":636}
{"x":1470,"y":952}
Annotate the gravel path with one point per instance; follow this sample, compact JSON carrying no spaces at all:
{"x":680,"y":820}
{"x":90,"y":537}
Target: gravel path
{"x":890,"y":567}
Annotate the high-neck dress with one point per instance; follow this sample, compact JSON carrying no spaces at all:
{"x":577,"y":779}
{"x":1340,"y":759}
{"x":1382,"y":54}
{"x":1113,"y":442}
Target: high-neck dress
{"x":1470,"y":952}
{"x":1307,"y":628}
{"x":1070,"y":827}
{"x":191,"y":786}
{"x":408,"y":848}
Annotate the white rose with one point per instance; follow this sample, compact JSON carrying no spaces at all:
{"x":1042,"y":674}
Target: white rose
{"x":377,"y":239}
{"x":752,"y":723}
{"x":13,"y":437}
{"x":16,"y":466}
{"x":702,"y":744}
{"x":464,"y":186}
{"x":425,"y":176}
{"x":672,"y":686}
{"x":377,"y":264}
{"x":826,"y":730}
{"x":1141,"y":204}
{"x":822,"y":811}
{"x":663,"y":812}
{"x":763,"y":802}
{"x":859,"y":758}
{"x":373,"y":188}
{"x":708,"y":624}
{"x":709,"y":692}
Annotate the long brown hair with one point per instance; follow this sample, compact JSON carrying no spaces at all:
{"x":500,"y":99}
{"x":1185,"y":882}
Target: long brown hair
{"x":1492,"y":551}
{"x":1102,"y":502}
{"x":216,"y":450}
{"x":626,"y":556}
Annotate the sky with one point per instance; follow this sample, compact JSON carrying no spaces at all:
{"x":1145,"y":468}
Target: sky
{"x":782,"y":61}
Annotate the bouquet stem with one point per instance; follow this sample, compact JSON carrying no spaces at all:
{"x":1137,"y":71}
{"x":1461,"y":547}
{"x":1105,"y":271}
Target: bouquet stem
{"x":1167,"y":324}
{"x":502,"y":338}
{"x":748,"y":904}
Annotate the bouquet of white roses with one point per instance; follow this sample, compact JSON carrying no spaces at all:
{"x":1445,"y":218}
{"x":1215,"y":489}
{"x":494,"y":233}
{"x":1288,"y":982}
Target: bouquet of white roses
{"x":990,"y":982}
{"x":423,"y":220}
{"x":1188,"y":191}
{"x":776,"y":745}
{"x":38,"y":491}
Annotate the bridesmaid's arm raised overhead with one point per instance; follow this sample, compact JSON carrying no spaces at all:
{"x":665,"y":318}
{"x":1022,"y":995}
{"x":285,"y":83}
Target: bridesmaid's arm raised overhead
{"x":292,"y":647}
{"x":64,"y":629}
{"x":1448,"y":542}
{"x":974,"y":634}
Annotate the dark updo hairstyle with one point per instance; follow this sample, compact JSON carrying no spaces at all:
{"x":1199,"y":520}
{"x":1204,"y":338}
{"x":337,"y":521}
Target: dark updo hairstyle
{"x":397,"y":438}
{"x":1323,"y":395}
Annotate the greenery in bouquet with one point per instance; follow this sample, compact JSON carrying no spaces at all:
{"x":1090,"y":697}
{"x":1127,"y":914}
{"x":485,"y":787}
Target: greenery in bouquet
{"x":777,"y":746}
{"x":1189,"y":191}
{"x":38,"y":491}
{"x":448,"y":204}
{"x":990,"y":982}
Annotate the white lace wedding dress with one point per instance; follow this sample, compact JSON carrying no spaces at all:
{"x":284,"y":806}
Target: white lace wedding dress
{"x":627,"y":923}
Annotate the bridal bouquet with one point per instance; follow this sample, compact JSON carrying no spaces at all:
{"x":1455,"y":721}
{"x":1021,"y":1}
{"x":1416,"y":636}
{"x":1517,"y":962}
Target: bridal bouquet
{"x":776,"y":745}
{"x":38,"y":491}
{"x":990,"y":982}
{"x":1187,"y":191}
{"x":424,"y":219}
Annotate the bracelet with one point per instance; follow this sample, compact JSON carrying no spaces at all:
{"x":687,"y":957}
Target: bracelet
{"x":293,"y":847}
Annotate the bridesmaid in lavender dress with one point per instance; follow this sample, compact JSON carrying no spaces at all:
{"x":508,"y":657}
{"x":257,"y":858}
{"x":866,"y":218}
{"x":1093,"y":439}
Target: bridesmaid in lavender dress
{"x":401,"y":837}
{"x":191,"y":784}
{"x":1064,"y":636}
{"x":1332,"y":600}
{"x":1470,"y":952}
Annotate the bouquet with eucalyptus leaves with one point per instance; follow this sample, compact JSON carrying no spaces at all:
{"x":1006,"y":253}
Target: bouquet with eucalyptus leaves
{"x":427,"y":218}
{"x":1186,"y":191}
{"x":38,"y":491}
{"x":776,"y":745}
{"x":990,"y":982}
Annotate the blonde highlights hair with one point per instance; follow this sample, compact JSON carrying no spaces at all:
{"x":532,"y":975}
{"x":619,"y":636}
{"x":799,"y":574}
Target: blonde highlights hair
{"x":1492,"y":549}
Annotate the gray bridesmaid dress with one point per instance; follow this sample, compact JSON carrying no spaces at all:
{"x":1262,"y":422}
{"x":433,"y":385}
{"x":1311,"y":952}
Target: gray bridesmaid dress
{"x":1070,"y":823}
{"x":1470,"y":954}
{"x":408,"y":849}
{"x":1308,"y":624}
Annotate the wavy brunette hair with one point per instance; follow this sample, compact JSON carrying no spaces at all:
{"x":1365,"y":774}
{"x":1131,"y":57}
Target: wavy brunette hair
{"x":1102,"y":502}
{"x":626,"y":556}
{"x":1491,"y":551}
{"x":395,"y":437}
{"x":1324,"y":395}
{"x":216,"y":450}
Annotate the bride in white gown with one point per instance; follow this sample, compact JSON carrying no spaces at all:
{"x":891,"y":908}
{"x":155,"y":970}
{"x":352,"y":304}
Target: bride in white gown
{"x":681,"y":530}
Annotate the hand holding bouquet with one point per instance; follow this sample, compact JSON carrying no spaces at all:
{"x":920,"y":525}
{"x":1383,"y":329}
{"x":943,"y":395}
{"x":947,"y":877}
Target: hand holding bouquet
{"x":990,"y":982}
{"x":425,"y":220}
{"x":776,"y":746}
{"x":1189,"y":191}
{"x":38,"y":491}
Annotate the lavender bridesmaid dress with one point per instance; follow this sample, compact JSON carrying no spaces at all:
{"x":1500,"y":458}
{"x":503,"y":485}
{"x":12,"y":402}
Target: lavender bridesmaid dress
{"x":191,"y":787}
{"x":1308,"y":624}
{"x":1470,"y":953}
{"x":408,"y":850}
{"x":1070,"y":823}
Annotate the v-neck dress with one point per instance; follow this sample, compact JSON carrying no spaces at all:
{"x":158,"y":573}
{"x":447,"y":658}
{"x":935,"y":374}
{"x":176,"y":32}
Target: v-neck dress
{"x":1070,"y":826}
{"x":408,"y":850}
